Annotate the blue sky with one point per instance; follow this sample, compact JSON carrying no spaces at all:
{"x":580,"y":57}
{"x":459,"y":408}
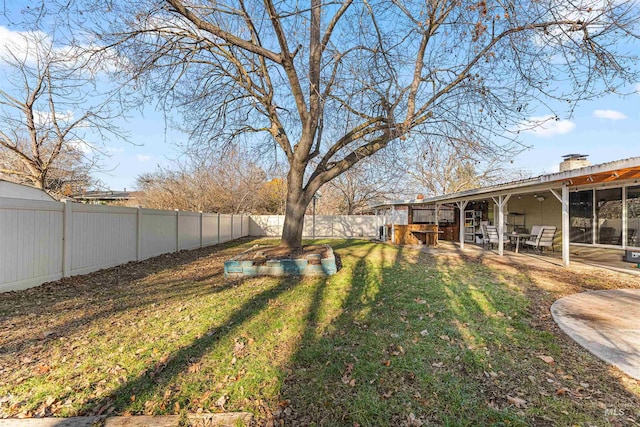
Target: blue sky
{"x":606,"y":129}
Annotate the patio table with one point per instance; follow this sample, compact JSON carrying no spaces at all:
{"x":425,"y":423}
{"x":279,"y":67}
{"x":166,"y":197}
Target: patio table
{"x":518,"y":237}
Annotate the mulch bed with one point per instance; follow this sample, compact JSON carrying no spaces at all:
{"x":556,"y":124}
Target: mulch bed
{"x":261,"y":254}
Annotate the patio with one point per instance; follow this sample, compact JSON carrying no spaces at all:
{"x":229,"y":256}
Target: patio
{"x":607,"y":258}
{"x":588,"y":207}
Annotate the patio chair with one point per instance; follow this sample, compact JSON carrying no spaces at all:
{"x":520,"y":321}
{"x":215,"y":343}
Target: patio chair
{"x":492,"y":234}
{"x":535,"y":235}
{"x":485,"y":234}
{"x":544,"y":238}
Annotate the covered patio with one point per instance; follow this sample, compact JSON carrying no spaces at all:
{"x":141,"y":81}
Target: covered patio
{"x":591,"y":208}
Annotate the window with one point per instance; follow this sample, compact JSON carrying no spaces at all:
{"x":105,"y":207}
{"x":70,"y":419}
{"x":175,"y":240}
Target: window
{"x":609,"y":216}
{"x":633,"y":216}
{"x":581,"y":216}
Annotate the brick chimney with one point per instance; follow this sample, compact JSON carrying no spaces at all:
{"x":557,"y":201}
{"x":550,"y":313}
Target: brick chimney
{"x":574,"y":161}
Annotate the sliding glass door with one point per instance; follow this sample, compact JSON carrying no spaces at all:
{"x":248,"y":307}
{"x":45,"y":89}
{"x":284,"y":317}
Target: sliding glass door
{"x":633,"y":216}
{"x":609,"y":216}
{"x":581,"y":216}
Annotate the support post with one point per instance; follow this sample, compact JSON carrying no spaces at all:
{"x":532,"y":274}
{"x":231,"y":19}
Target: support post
{"x":501,"y":225}
{"x":565,"y":225}
{"x":314,"y":220}
{"x":501,"y":202}
{"x":201,"y":227}
{"x":177,"y":230}
{"x":462,"y":205}
{"x":393,"y":224}
{"x":139,"y":235}
{"x":218,"y":228}
{"x":563,"y":198}
{"x":67,"y":248}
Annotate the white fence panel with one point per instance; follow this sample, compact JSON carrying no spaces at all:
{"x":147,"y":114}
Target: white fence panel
{"x":159,"y":232}
{"x":341,"y":226}
{"x":189,"y":230}
{"x":30,"y":243}
{"x":209,"y":229}
{"x":246,"y":224}
{"x":102,"y":237}
{"x":266,"y":225}
{"x":236,"y":227}
{"x":42,"y":241}
{"x":324,"y":226}
{"x":225,"y":228}
{"x":355,"y":226}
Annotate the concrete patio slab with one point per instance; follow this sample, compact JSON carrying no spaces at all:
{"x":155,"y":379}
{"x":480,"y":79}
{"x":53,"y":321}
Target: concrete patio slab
{"x":607,"y":323}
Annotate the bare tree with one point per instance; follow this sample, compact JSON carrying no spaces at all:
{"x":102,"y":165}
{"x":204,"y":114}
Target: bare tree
{"x":364,"y":185}
{"x":228,"y":183}
{"x":50,"y":123}
{"x":440,"y":168}
{"x":68,"y":174}
{"x":387,"y":70}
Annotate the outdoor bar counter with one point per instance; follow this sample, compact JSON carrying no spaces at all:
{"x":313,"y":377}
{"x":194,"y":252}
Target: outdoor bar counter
{"x":415,"y":234}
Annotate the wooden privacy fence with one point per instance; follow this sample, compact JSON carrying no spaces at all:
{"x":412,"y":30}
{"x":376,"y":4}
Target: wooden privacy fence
{"x":42,"y":241}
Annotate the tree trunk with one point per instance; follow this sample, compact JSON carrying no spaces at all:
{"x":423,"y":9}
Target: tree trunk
{"x":297,"y":202}
{"x":293,"y":224}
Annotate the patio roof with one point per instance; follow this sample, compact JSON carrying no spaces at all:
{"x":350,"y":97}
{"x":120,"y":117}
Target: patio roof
{"x":619,"y":170}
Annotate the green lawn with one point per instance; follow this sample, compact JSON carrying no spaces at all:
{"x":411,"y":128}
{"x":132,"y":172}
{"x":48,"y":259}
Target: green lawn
{"x":397,"y":337}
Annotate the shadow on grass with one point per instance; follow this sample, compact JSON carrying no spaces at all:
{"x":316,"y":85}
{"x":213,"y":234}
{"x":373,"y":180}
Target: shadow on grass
{"x":395,"y":338}
{"x":157,"y":377}
{"x":108,"y":292}
{"x":436,"y":340}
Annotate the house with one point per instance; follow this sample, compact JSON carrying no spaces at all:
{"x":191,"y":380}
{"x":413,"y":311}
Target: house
{"x":12,"y":190}
{"x":109,"y":197}
{"x":590,"y":205}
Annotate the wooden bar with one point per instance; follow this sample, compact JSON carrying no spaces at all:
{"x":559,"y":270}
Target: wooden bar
{"x":416,"y":234}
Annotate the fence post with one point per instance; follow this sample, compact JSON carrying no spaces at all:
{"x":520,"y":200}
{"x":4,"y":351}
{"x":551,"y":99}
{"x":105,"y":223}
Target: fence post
{"x":218,"y":228}
{"x":67,"y":220}
{"x":333,"y":223}
{"x":201,"y":227}
{"x":241,"y":224}
{"x":231,"y":226}
{"x":177,"y":230}
{"x":139,"y":235}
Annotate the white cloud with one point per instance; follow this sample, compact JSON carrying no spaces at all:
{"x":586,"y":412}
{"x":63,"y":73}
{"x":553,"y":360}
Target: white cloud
{"x":546,"y":126}
{"x":81,"y":146}
{"x":609,"y":114}
{"x":44,"y":117}
{"x":31,"y":46}
{"x":112,"y":150}
{"x":638,"y":88}
{"x":19,"y":43}
{"x":143,"y":158}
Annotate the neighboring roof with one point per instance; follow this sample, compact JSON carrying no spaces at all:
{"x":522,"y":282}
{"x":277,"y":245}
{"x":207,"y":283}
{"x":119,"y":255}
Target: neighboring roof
{"x":103,"y":195}
{"x":605,"y":172}
{"x":12,"y":190}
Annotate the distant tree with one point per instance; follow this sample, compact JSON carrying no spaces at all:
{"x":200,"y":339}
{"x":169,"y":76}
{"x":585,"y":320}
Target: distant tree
{"x":273,"y":196}
{"x":438,"y":169}
{"x":227,"y":184}
{"x":69,"y":173}
{"x":50,"y":122}
{"x":365,"y":185}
